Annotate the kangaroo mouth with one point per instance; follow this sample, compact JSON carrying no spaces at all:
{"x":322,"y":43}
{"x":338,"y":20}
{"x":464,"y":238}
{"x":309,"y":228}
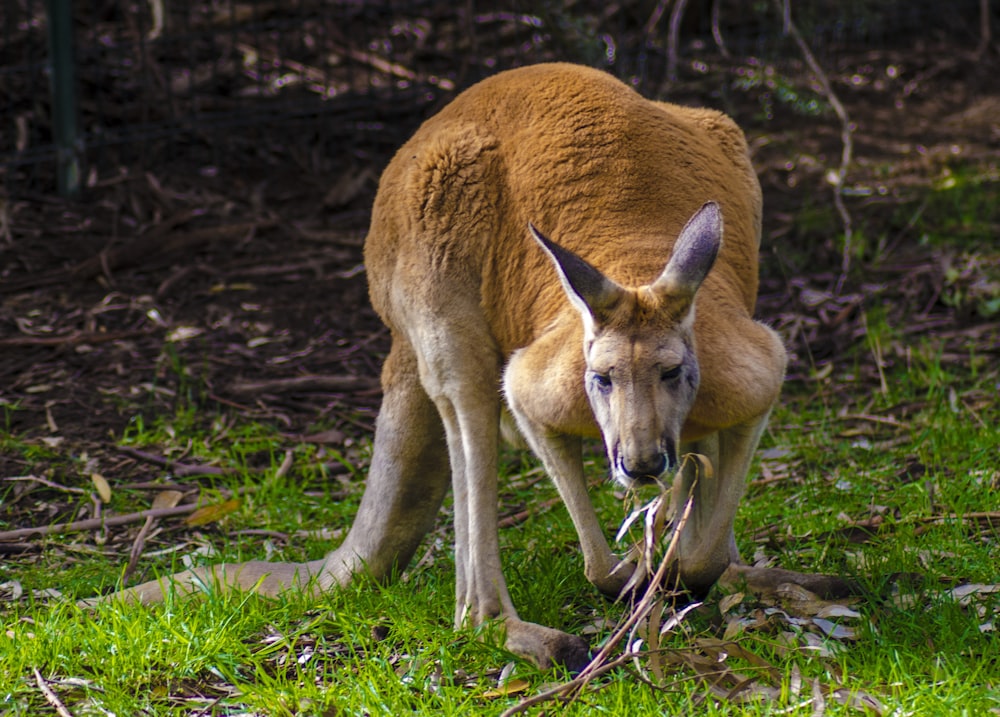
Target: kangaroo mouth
{"x":645,"y":476}
{"x":644,"y":472}
{"x":639,"y":481}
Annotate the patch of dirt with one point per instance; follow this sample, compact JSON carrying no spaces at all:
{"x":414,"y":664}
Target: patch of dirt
{"x":110,"y":312}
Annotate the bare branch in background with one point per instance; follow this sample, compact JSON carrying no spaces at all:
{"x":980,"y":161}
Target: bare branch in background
{"x":654,"y":17}
{"x":673,"y":33}
{"x":716,"y":31}
{"x":156,"y":10}
{"x":676,"y":15}
{"x":985,"y":29}
{"x":846,"y":133}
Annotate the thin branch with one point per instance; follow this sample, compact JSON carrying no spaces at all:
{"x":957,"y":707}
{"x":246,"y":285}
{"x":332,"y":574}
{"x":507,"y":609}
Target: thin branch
{"x":720,"y":41}
{"x":158,"y":486}
{"x":92,"y":523}
{"x":985,"y":29}
{"x":600,"y":664}
{"x":523,"y":515}
{"x":50,"y":696}
{"x":137,"y":546}
{"x":49,"y":483}
{"x":988,"y":518}
{"x":334,"y":383}
{"x":846,"y":134}
{"x":654,"y":17}
{"x":77,"y":338}
{"x":286,"y":465}
{"x":178,"y":469}
{"x":673,"y":39}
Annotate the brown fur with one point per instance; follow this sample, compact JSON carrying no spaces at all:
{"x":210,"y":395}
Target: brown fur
{"x":476,"y":307}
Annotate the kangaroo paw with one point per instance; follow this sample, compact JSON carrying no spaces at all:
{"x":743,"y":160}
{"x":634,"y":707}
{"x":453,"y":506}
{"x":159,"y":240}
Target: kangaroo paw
{"x":765,"y":582}
{"x":612,"y":583}
{"x":545,"y":646}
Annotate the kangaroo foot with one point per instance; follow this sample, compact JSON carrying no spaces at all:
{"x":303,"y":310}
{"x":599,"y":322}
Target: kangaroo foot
{"x":765,"y":582}
{"x":265,"y":578}
{"x":611,"y":583}
{"x":546,"y":646}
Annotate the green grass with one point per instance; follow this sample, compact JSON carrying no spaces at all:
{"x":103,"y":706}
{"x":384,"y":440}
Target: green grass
{"x":391,"y":650}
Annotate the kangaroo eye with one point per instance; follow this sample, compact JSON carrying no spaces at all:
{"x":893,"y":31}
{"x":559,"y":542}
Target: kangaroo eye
{"x":602,"y":380}
{"x":671,"y":373}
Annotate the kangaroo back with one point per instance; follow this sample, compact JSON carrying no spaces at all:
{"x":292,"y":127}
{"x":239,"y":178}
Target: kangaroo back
{"x":584,"y":158}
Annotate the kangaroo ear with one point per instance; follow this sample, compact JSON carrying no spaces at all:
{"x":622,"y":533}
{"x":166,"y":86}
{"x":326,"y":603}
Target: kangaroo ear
{"x":694,"y":253}
{"x":592,"y":293}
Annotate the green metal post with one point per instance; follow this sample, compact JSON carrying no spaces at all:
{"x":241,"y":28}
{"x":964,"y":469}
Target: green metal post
{"x":63,"y":83}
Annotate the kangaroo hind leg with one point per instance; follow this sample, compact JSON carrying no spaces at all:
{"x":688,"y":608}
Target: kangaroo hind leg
{"x":407,"y":480}
{"x":406,"y":485}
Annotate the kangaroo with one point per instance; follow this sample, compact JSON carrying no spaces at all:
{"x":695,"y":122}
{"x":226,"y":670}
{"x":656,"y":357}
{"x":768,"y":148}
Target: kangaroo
{"x":551,"y":243}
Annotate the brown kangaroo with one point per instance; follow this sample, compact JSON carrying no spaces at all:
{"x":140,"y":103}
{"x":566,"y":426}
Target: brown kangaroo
{"x":636,"y":327}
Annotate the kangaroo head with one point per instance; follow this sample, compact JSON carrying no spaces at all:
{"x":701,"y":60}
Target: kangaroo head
{"x":642,"y":371}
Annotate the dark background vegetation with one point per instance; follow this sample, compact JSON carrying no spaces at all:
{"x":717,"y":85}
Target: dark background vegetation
{"x":230,"y":152}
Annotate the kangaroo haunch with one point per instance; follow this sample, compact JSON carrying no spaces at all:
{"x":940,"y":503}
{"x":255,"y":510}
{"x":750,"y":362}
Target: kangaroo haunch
{"x":553,"y":242}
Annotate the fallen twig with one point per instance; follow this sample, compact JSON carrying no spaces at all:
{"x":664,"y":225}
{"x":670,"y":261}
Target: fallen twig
{"x":986,"y":519}
{"x":91,"y":523}
{"x":862,"y":531}
{"x":78,"y":338}
{"x":50,"y":696}
{"x":161,"y":240}
{"x":157,"y":485}
{"x":304,"y":383}
{"x":164,"y":499}
{"x":286,"y":465}
{"x":178,"y":469}
{"x":48,"y":483}
{"x":137,"y":547}
{"x":522,"y":515}
{"x":887,"y":420}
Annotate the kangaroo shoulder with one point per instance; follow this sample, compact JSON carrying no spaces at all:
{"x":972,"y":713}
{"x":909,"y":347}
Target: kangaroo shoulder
{"x":441,"y":168}
{"x":719,"y":126}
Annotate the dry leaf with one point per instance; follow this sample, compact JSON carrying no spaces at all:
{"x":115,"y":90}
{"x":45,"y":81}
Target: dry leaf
{"x":167,"y":499}
{"x":730,"y":601}
{"x":965,"y":594}
{"x":331,"y":436}
{"x":510,"y":687}
{"x":837,"y":610}
{"x":212,"y":513}
{"x":832,"y":629}
{"x":102,"y":486}
{"x":180,"y":334}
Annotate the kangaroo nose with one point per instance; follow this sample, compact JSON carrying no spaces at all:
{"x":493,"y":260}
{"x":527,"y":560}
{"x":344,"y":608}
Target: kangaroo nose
{"x":645,"y":468}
